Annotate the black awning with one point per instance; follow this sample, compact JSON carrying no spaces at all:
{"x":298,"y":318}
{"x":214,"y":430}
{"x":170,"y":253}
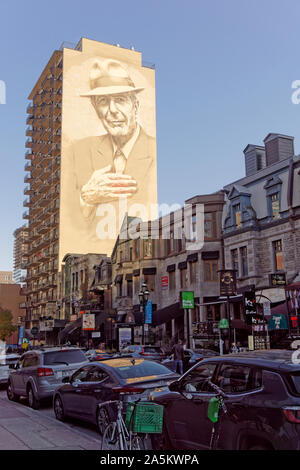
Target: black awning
{"x":210,"y":254}
{"x":118,"y":278}
{"x":192,"y":258}
{"x":136,"y":272}
{"x":70,"y":329}
{"x":128,"y":277}
{"x":171,"y":268}
{"x":182,"y":265}
{"x":166,"y":314}
{"x":149,"y":271}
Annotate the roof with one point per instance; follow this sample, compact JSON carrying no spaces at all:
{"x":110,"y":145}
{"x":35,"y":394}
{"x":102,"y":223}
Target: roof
{"x":267,"y":358}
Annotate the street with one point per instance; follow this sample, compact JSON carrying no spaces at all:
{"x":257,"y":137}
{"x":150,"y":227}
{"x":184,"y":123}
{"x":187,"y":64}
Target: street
{"x":22,"y":428}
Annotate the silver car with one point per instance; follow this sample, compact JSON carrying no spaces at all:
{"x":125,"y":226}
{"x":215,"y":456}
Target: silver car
{"x":6,"y":362}
{"x":38,"y":373}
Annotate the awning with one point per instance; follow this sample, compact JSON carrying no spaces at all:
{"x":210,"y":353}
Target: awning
{"x":128,"y":277}
{"x":136,"y":272}
{"x":166,"y":314}
{"x":171,"y":268}
{"x":210,"y":255}
{"x":239,"y":325}
{"x":70,"y":329}
{"x":192,"y":258}
{"x":182,"y":265}
{"x":149,"y":271}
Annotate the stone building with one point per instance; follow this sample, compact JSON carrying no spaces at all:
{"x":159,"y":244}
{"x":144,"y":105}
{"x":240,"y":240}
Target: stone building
{"x":161,"y":255}
{"x":261,"y":223}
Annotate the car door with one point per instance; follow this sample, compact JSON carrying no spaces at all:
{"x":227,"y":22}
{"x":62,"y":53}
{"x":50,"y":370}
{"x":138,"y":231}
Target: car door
{"x":95,"y":389}
{"x":186,"y":423}
{"x":71,"y":392}
{"x":28,"y":370}
{"x":16,"y":377}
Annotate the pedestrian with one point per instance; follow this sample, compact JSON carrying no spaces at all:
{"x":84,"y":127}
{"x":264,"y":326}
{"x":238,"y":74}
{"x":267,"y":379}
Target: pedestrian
{"x":234,"y":348}
{"x":177,"y":350}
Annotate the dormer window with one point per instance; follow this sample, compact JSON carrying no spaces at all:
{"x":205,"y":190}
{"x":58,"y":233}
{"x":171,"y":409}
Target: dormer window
{"x":237,"y":215}
{"x":275,"y":205}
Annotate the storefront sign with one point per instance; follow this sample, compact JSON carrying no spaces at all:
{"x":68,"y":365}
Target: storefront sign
{"x":124,"y":337}
{"x":88,"y":321}
{"x":165,"y":282}
{"x":96,"y":334}
{"x":187,"y":299}
{"x":277,"y":279}
{"x":227,"y":282}
{"x":46,"y":325}
{"x":278,"y":322}
{"x":223,"y":324}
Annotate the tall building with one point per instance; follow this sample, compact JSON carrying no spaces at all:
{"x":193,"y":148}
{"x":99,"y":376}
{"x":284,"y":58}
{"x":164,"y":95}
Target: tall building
{"x":20,"y":254}
{"x":91,"y":142}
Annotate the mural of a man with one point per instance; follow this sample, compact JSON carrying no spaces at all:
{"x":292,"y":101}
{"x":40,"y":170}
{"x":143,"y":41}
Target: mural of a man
{"x":120,"y":163}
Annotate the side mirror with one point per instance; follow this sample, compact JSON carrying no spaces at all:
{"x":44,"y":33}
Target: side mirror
{"x":66,"y":380}
{"x":174,"y":386}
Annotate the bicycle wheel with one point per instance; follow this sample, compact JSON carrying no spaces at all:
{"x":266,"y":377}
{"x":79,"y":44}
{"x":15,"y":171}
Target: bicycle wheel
{"x":137,"y":443}
{"x":110,"y":439}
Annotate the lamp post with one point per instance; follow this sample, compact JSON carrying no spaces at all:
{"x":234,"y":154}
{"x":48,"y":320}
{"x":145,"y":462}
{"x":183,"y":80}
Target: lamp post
{"x":143,"y":296}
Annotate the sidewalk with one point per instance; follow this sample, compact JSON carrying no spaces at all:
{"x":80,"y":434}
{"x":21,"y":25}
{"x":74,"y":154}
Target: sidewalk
{"x":22,"y":428}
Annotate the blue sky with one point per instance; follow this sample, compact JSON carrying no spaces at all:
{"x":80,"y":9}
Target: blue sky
{"x":224,"y":71}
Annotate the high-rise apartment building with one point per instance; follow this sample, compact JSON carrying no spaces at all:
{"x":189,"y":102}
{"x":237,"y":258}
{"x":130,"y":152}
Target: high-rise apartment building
{"x":91,"y":158}
{"x":20,"y":254}
{"x":6,"y":277}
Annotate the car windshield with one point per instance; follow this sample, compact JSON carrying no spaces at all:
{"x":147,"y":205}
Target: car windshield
{"x":64,"y":357}
{"x":151,"y":349}
{"x":141,"y":369}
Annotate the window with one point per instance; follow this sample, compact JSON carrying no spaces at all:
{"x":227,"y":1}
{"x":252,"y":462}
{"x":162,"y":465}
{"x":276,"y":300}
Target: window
{"x":172,"y":280}
{"x":213,"y":313}
{"x":81,"y":375}
{"x":121,"y":256}
{"x":136,"y":284}
{"x":211,"y":270}
{"x":148,"y":248}
{"x":119,"y":289}
{"x":130,"y":253}
{"x":170,"y":243}
{"x":183,"y":278}
{"x":193,"y":272}
{"x":137,"y":244}
{"x":244,"y":260}
{"x":129,"y":288}
{"x":234,"y":378}
{"x":76,"y":281}
{"x":193,"y":236}
{"x":237,"y":214}
{"x":274,"y":200}
{"x":149,"y":279}
{"x":196,"y":380}
{"x":96,"y":374}
{"x":278,"y":255}
{"x":208,"y":225}
{"x":30,"y":360}
{"x":235,"y":261}
{"x":57,"y":357}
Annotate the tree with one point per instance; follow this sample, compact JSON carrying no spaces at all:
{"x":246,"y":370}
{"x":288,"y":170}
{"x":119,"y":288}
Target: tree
{"x":6,"y":324}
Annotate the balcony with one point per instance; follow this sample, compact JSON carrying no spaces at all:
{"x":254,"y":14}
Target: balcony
{"x":27,"y":179}
{"x":26,"y":215}
{"x":43,"y":228}
{"x":28,"y":166}
{"x":28,"y":154}
{"x":27,"y":190}
{"x":26,"y":202}
{"x":29,"y":131}
{"x":29,"y":120}
{"x":29,"y":109}
{"x":29,"y":143}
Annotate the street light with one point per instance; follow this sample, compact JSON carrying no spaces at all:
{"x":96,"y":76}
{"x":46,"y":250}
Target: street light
{"x":143,"y":296}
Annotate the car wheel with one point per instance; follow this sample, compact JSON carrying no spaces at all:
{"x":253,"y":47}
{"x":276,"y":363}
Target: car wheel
{"x":33,"y":402}
{"x":58,"y":408}
{"x":103,"y":419}
{"x":10,"y":393}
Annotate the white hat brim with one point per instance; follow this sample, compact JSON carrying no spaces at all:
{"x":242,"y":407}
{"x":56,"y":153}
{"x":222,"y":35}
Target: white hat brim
{"x":111,"y":90}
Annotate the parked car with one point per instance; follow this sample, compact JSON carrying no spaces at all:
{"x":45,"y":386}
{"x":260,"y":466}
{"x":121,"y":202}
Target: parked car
{"x":191,"y":356}
{"x":97,"y":355}
{"x":262,"y":398}
{"x":38,"y":373}
{"x":155,"y":353}
{"x":129,"y":378}
{"x":6,"y":362}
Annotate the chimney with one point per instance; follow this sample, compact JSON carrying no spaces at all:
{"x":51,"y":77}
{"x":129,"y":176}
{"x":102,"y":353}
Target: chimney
{"x":278,"y":147}
{"x":255,"y":158}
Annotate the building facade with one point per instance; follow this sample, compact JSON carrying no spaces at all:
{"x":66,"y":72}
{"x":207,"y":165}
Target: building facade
{"x":6,"y":277}
{"x":20,"y":254}
{"x":11,"y":299}
{"x":261,"y":224}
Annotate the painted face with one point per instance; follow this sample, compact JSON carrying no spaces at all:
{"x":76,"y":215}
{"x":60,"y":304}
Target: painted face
{"x":117,"y":113}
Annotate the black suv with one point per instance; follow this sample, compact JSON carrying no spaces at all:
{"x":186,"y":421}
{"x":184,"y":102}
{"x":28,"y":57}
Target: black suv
{"x":262,"y":398}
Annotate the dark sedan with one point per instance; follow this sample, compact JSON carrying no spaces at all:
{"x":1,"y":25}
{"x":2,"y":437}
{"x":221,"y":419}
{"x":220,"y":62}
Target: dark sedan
{"x":108,"y":380}
{"x":262,"y":391}
{"x":191,"y":357}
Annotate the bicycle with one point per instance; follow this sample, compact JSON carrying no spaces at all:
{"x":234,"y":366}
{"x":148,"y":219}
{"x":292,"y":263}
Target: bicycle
{"x":213,"y":413}
{"x":116,"y":435}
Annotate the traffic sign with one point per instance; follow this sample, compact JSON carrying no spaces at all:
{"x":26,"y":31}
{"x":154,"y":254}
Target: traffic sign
{"x":187,"y":299}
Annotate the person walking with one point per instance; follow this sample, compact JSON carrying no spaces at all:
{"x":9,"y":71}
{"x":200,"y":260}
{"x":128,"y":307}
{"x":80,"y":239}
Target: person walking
{"x":177,"y":350}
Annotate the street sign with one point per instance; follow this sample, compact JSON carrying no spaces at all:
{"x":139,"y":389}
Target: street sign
{"x":88,"y":321}
{"x":277,"y":279}
{"x":223,"y":324}
{"x":250,"y":306}
{"x":164,"y":282}
{"x":148,"y":312}
{"x":187,"y":299}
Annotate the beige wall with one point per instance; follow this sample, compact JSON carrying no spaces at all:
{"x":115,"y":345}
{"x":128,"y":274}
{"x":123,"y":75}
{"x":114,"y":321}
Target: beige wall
{"x":87,"y":147}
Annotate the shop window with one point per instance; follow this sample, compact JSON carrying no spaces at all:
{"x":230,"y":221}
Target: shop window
{"x":213,"y":313}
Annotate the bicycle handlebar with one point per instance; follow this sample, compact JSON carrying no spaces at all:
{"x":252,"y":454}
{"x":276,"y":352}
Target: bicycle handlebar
{"x":220,"y":394}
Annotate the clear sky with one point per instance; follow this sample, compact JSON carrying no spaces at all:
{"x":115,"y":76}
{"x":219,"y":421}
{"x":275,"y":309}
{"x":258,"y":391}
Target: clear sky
{"x":224,"y":70}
